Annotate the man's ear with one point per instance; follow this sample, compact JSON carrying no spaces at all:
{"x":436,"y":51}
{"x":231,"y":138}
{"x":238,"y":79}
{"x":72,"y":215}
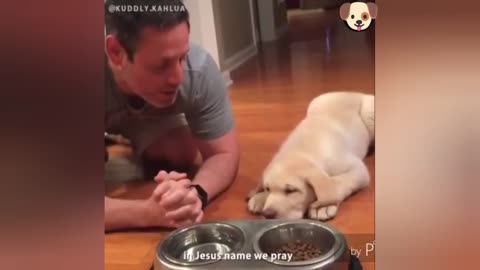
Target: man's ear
{"x":115,"y":51}
{"x":372,"y":9}
{"x":344,"y":11}
{"x":324,"y":188}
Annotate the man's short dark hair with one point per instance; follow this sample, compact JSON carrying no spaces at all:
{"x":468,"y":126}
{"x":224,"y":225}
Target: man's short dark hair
{"x":127,"y":24}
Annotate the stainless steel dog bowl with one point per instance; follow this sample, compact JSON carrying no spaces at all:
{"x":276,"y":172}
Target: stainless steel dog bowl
{"x":334,"y":250}
{"x":251,"y":238}
{"x":184,"y":246}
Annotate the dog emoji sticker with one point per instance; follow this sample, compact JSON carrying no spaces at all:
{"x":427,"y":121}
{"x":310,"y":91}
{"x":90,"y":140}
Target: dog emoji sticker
{"x":358,"y":15}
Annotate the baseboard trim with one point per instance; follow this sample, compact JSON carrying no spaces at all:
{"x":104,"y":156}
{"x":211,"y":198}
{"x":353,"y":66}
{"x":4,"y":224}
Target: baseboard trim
{"x":236,"y":60}
{"x":227,"y":78}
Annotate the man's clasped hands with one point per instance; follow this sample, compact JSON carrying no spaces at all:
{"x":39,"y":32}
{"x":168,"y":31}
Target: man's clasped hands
{"x":179,"y":203}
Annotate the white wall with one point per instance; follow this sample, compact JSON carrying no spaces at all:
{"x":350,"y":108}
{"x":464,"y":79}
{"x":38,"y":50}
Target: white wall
{"x":203,"y":25}
{"x":203,"y":29}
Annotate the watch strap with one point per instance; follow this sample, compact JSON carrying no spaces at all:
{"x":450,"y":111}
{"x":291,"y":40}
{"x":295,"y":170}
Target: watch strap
{"x":202,"y":194}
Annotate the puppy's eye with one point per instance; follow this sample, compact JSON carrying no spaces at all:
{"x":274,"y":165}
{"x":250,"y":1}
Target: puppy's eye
{"x":365,"y":16}
{"x":267,"y":189}
{"x":353,"y":16}
{"x":290,"y":191}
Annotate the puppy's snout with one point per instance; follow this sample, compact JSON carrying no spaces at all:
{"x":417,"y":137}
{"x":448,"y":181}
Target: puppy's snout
{"x":359,"y":22}
{"x":269,"y":213}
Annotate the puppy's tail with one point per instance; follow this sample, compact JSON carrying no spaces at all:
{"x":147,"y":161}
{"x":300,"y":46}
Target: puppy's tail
{"x":367,"y":113}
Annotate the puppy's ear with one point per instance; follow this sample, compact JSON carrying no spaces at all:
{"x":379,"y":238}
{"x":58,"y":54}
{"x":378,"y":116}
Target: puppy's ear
{"x":372,"y":9}
{"x":345,"y":11}
{"x":324,"y":188}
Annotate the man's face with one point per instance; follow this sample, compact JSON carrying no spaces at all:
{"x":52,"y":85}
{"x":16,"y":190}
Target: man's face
{"x":157,"y":68}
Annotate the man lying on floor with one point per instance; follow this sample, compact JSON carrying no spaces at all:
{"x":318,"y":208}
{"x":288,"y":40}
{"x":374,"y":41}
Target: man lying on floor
{"x":169,"y":99}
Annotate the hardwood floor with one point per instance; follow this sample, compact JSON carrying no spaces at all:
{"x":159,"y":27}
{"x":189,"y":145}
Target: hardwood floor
{"x":269,"y":97}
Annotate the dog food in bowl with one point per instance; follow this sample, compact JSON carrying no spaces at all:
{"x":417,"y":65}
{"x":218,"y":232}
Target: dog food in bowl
{"x":301,"y":251}
{"x":300,"y":243}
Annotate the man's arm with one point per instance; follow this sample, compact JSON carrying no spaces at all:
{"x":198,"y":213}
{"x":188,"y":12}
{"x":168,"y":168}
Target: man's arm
{"x":120,"y":214}
{"x":123,"y":214}
{"x":220,"y":165}
{"x":212,"y":122}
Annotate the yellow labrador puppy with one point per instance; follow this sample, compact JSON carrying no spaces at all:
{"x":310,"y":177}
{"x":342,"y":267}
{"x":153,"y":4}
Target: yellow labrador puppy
{"x":321,"y":162}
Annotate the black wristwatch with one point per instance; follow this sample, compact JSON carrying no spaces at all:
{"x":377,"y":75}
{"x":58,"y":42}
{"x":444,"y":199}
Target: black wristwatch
{"x":202,"y":194}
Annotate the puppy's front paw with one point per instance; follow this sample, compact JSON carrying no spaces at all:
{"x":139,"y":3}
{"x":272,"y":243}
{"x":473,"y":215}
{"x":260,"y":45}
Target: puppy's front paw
{"x":256,"y":202}
{"x":251,"y":194}
{"x":322,"y":213}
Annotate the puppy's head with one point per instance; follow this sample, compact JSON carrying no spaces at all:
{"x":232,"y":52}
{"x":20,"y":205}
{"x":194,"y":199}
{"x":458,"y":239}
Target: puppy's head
{"x":358,"y":16}
{"x":288,"y":196}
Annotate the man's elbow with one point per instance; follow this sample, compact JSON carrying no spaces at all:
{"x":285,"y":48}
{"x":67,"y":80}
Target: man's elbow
{"x":236,"y":160}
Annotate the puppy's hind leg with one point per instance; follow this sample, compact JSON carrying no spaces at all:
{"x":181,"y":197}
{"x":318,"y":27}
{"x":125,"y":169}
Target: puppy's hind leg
{"x":354,"y":179}
{"x":367,"y":114}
